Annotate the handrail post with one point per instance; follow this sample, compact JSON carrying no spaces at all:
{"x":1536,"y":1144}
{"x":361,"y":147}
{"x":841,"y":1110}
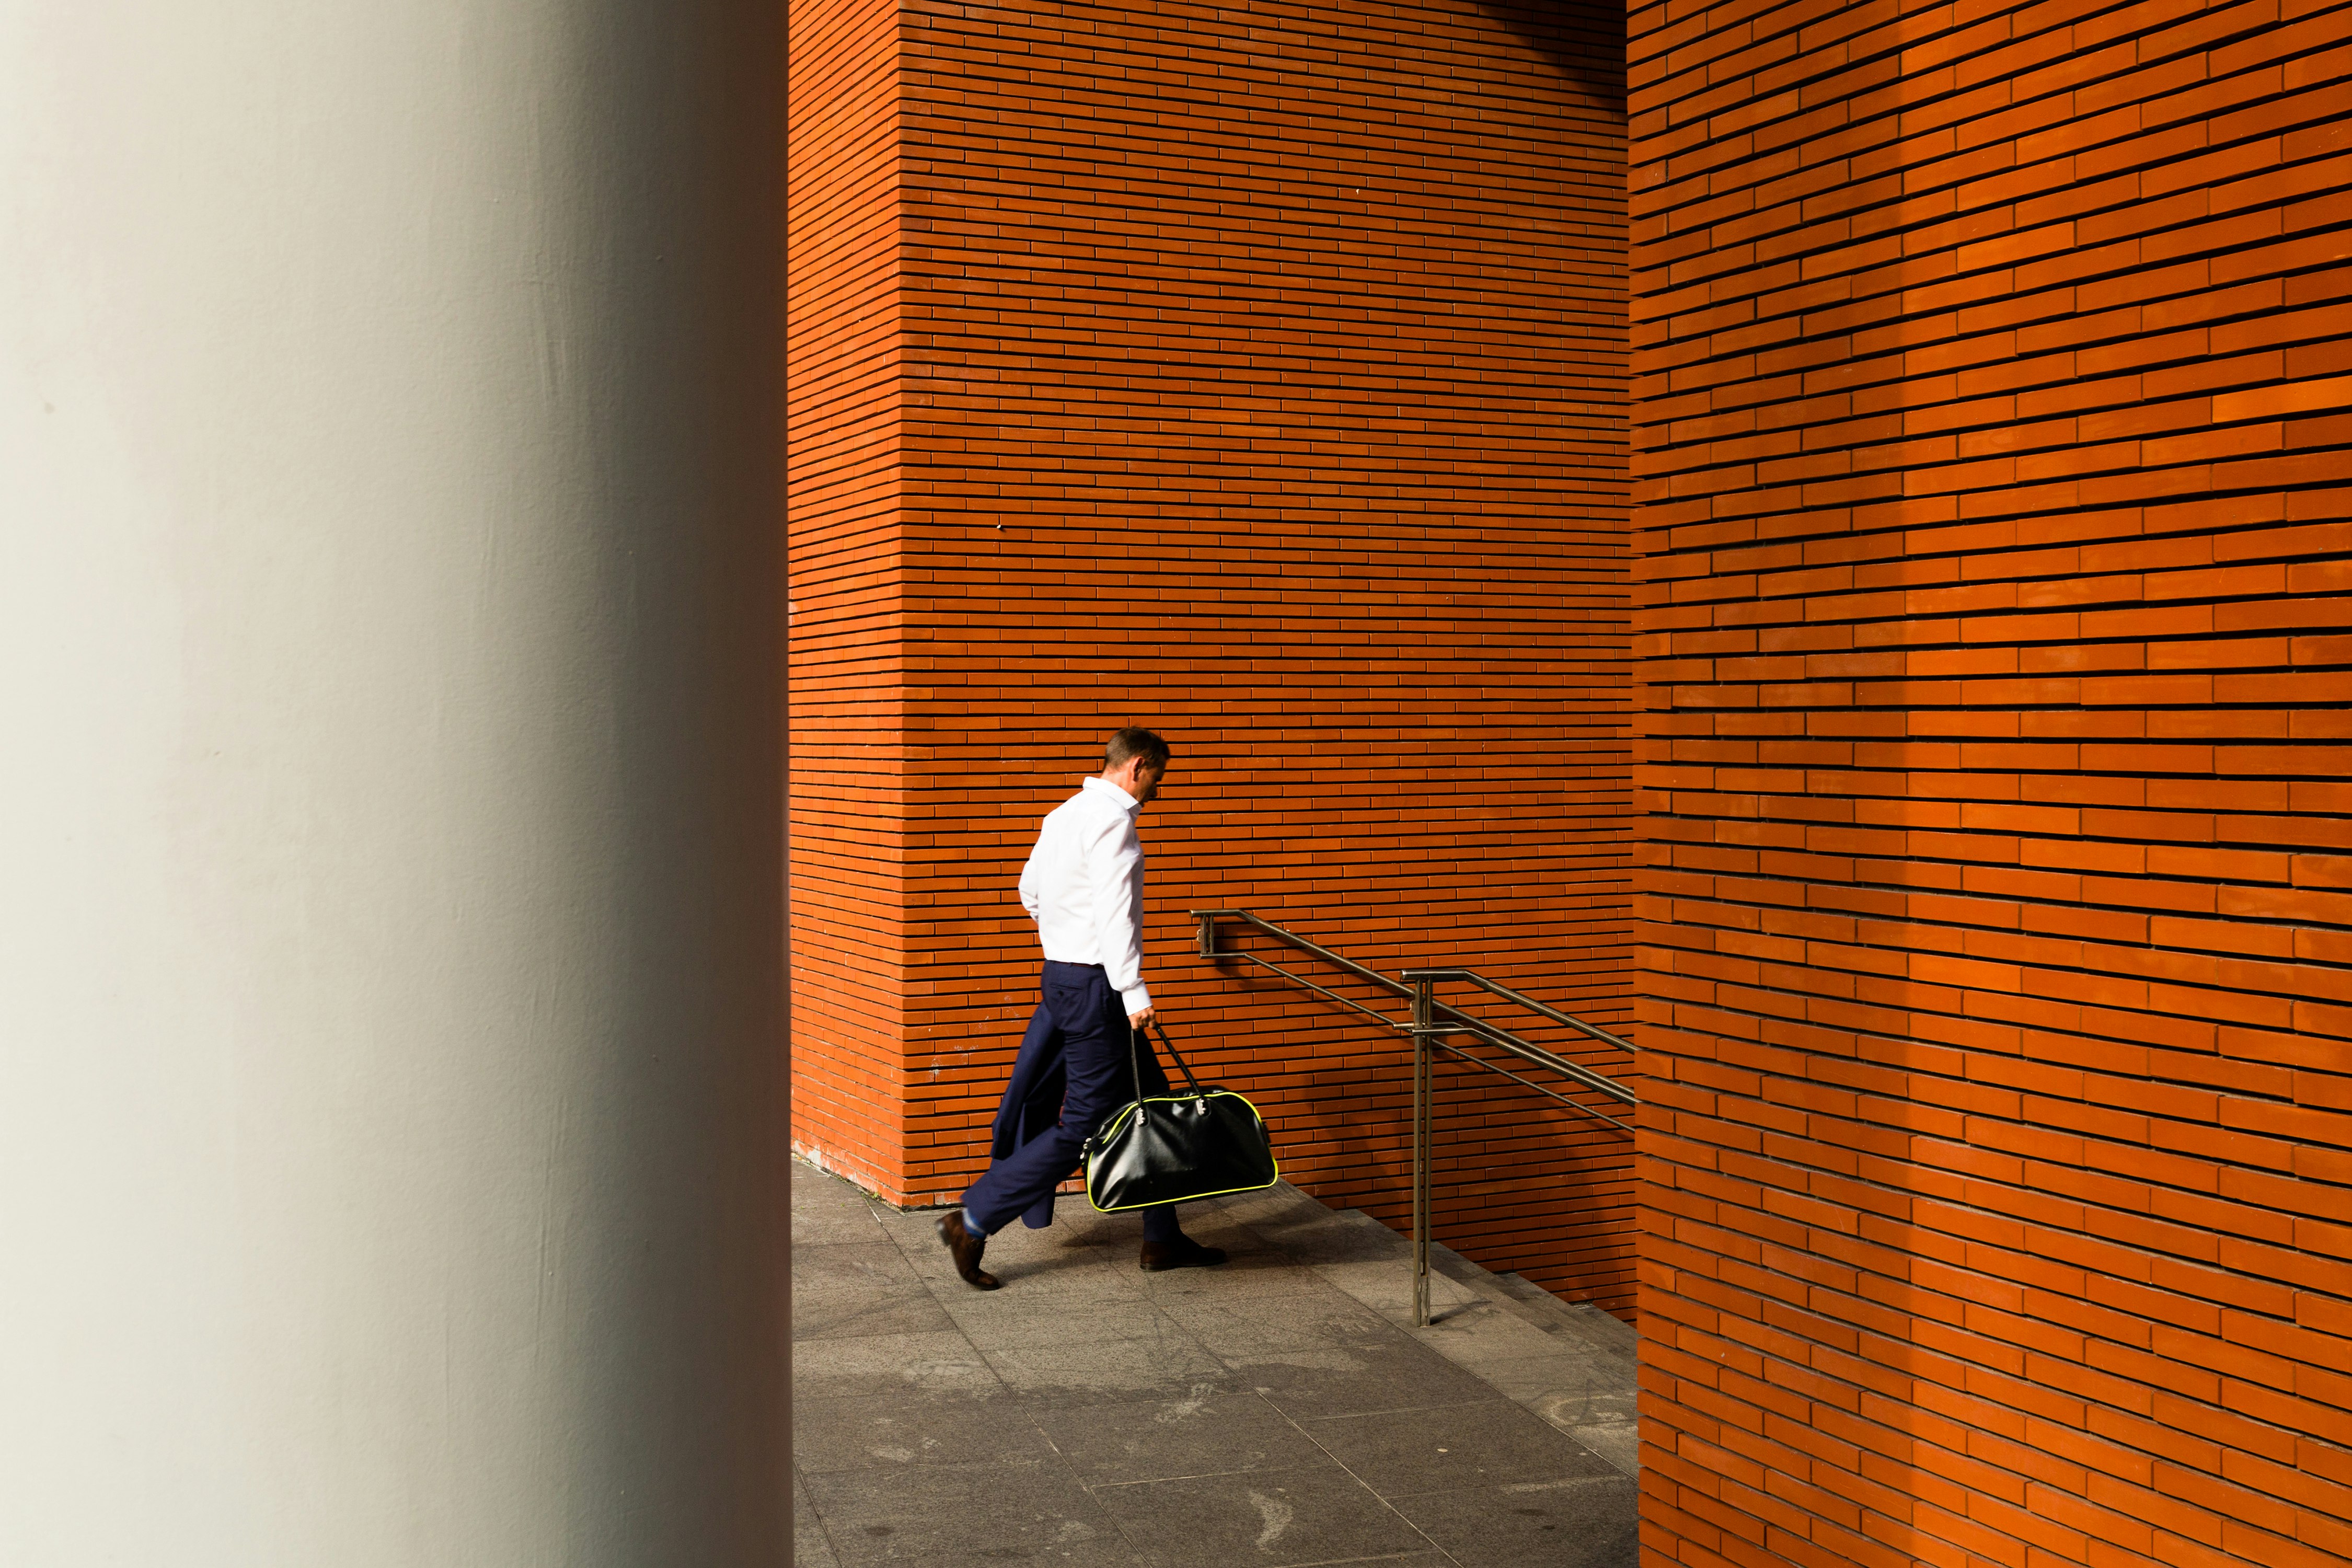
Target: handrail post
{"x":1424,"y":1024}
{"x":1208,"y":918}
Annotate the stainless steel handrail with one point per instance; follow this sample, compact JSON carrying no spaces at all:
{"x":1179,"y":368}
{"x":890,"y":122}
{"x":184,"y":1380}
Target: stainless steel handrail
{"x":1461,"y":1022}
{"x":1431,"y":1022}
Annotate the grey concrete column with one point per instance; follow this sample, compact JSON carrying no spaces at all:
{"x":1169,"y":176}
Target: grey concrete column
{"x":390,"y":1045}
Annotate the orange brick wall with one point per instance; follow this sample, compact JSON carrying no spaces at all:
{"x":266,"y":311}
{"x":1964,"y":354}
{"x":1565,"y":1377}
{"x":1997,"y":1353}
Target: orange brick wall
{"x":1260,"y":377}
{"x":1990,"y":368}
{"x":843,"y":368}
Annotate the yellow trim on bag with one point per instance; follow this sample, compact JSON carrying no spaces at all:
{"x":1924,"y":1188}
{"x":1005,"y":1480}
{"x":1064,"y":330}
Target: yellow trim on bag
{"x":1132,"y":1106}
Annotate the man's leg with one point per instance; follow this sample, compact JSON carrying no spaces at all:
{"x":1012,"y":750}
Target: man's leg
{"x":1010,"y":1185}
{"x":960,"y":1229}
{"x":1098,"y":1070}
{"x":1078,"y":1002}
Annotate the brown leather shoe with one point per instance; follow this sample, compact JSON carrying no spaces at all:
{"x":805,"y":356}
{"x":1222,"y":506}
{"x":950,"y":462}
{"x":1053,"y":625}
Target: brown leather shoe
{"x":1181,"y":1253}
{"x":965,"y":1249}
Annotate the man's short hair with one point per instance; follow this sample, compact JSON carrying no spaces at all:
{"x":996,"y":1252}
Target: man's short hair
{"x":1135,"y":742}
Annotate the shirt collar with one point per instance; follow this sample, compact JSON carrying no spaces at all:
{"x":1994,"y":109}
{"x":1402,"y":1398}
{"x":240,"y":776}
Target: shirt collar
{"x":1126,"y":800}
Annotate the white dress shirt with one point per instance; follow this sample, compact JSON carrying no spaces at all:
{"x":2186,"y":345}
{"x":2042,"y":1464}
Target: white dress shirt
{"x":1084,"y":887}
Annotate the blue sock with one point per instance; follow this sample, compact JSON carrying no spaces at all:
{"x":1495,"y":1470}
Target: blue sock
{"x":972,"y":1226}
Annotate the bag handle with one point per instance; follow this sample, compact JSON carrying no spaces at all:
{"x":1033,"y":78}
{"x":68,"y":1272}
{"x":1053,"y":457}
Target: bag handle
{"x":1135,"y":1079}
{"x":1135,"y":1060}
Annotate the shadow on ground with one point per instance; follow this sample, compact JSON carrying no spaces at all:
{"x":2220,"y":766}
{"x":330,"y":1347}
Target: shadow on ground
{"x":1280,"y":1411}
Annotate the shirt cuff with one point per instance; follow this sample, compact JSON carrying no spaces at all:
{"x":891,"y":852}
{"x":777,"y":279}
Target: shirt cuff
{"x":1136,"y":997}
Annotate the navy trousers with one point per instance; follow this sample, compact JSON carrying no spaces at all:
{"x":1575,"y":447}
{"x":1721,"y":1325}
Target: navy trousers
{"x":1083,"y":1019}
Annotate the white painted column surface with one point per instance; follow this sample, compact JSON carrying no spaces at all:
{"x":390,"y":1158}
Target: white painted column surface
{"x":390,"y":1011}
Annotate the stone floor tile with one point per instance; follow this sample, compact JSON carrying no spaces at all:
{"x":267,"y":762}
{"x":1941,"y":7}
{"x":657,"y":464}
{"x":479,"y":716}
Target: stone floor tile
{"x":1604,"y":1400}
{"x":1359,"y":1376}
{"x":1386,"y":1287}
{"x":882,"y":1432}
{"x":1250,"y":1327}
{"x":1488,"y":1444}
{"x":1259,"y":1272}
{"x":1092,"y":1552}
{"x":1271,"y":1518}
{"x":1619,"y":1442}
{"x":998,"y":1321}
{"x":1102,"y":1552}
{"x":1015,"y":1510}
{"x":1564,"y":1374}
{"x":1607,"y":1423}
{"x":1330,"y":1238}
{"x":811,"y":1549}
{"x":1059,"y":1281}
{"x":1090,"y":1374}
{"x":860,"y":1288}
{"x":1275,"y":1205}
{"x":1074,"y":1217}
{"x":1164,"y":1439}
{"x":848,"y":1367}
{"x":1026,"y":1260}
{"x":834,"y":1230}
{"x":1479,"y":1332}
{"x":915,"y":1313}
{"x":1069,"y":1234}
{"x":1565,"y":1524}
{"x":915,"y":1230}
{"x":1173,"y":1365}
{"x":826,"y":1209}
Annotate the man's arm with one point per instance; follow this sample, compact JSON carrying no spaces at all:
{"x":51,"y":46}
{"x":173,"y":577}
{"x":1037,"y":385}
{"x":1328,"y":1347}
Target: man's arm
{"x":1115,"y":876}
{"x":1032,"y":895}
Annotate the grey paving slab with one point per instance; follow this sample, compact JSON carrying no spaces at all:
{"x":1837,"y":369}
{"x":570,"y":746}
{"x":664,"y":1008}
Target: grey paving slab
{"x":1248,"y":1325}
{"x":1039,"y":1260}
{"x":1564,"y":1524}
{"x":1385,"y":1284}
{"x":1168,"y":1439}
{"x":846,"y":1367}
{"x":826,"y":1209}
{"x":1329,"y":1237}
{"x":1018,"y":1253}
{"x":1067,"y":1235}
{"x":1021,"y":1509}
{"x":1256,"y":1273}
{"x":893,"y":1431}
{"x":1361,"y":1376}
{"x":1619,"y":1442}
{"x":861,"y":1287}
{"x":811,"y":1549}
{"x":991,"y":1322}
{"x":1285,"y":1397}
{"x":1479,"y":1334}
{"x":1174,"y":1365}
{"x":915,"y":1231}
{"x":1531,"y":1379}
{"x":1074,"y":1217}
{"x":1040,"y":1287}
{"x":1492,"y":1442}
{"x":1600,"y":1402}
{"x":1108,"y":1552}
{"x":1276,"y":1205}
{"x":1272,"y":1518}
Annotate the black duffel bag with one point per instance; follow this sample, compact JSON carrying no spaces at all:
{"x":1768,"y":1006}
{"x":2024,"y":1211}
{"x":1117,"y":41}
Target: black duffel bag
{"x":1170,"y":1149}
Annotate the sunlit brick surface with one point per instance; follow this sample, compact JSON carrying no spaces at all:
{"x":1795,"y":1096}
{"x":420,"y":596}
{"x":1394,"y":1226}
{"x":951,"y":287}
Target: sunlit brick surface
{"x":844,"y":373}
{"x":1261,"y":377}
{"x":1990,"y":367}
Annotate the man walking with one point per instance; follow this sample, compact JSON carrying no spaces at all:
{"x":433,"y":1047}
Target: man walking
{"x":1084,"y":887}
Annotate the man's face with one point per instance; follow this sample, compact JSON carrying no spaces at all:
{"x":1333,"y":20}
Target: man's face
{"x":1143,"y":782}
